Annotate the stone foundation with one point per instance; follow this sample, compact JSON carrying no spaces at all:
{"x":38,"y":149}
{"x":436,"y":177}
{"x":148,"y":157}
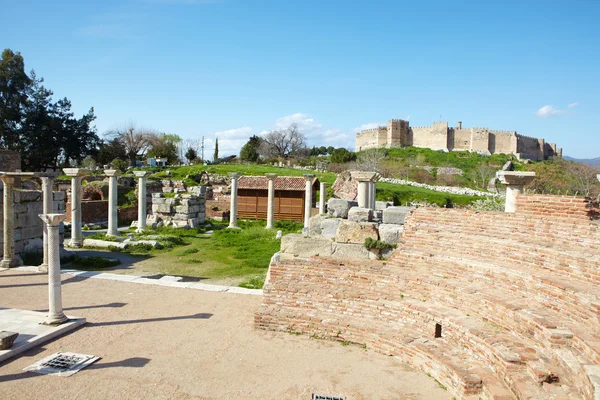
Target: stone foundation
{"x":181,"y":211}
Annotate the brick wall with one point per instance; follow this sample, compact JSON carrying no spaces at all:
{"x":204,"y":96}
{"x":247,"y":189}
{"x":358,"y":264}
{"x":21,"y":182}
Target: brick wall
{"x":94,"y":211}
{"x":513,"y":295}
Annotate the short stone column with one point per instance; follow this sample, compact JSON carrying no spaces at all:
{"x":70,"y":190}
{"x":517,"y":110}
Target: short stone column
{"x":141,"y":224}
{"x":322,"y":198}
{"x":8,"y":259}
{"x":113,"y":213}
{"x":76,"y":233}
{"x":364,"y":196}
{"x":514,"y":181}
{"x":46,"y":209}
{"x":598,"y":177}
{"x":271,"y":201}
{"x":55,"y":310}
{"x":233,"y":207}
{"x":309,"y":178}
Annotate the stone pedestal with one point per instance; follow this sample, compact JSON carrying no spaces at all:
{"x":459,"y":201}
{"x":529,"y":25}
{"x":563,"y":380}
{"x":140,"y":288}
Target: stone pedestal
{"x":271,"y":201}
{"x":76,"y":234}
{"x":8,"y":259}
{"x":55,"y":311}
{"x":514,"y":181}
{"x":141,"y":224}
{"x":322,"y":198}
{"x":46,"y":209}
{"x":233,"y":207}
{"x":366,"y":188}
{"x":113,"y":215}
{"x":309,"y":178}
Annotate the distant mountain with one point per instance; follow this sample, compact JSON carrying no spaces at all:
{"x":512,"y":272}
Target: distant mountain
{"x":592,"y":162}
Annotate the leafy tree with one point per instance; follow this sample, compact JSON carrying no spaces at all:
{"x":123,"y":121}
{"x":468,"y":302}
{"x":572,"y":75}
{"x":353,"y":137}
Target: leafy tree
{"x":14,"y":93}
{"x":110,"y":150}
{"x":191,"y":154}
{"x":249,"y":151}
{"x":330,"y":150}
{"x":216,"y":154}
{"x":165,"y":145}
{"x":341,"y":156}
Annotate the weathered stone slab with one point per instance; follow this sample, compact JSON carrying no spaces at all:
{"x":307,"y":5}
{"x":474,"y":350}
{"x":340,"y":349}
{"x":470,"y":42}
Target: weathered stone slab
{"x":356,"y":232}
{"x":360,"y":214}
{"x":314,"y":225}
{"x":7,"y":339}
{"x":345,"y":187}
{"x":339,"y":208}
{"x":350,"y":250}
{"x":395,"y":215}
{"x":300,"y":246}
{"x":390,"y":233}
{"x":162,"y":208}
{"x":187,"y":209}
{"x":195,"y":222}
{"x":329,"y":227}
{"x":382,"y":205}
{"x":104,"y":244}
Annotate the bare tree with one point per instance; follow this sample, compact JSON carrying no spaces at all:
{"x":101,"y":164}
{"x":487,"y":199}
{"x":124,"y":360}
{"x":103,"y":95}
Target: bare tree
{"x":135,"y":140}
{"x":370,"y":160}
{"x":583,"y":179}
{"x":283,"y":142}
{"x":483,"y":174}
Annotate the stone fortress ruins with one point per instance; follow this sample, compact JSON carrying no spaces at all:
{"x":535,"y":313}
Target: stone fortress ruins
{"x":439,"y":136}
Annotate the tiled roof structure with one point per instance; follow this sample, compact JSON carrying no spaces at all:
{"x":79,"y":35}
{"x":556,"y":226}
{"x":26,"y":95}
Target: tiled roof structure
{"x":292,"y":183}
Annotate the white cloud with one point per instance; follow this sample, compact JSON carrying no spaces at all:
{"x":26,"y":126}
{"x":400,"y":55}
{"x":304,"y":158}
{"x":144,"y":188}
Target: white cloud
{"x":548,"y":111}
{"x":573,"y":105}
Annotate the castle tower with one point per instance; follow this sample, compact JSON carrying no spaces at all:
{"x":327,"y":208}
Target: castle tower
{"x":397,"y":133}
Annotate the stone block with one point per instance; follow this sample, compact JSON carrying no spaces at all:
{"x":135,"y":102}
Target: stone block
{"x":156,"y":196}
{"x":390,"y":233}
{"x":314,"y":225}
{"x":33,"y":245}
{"x":360,"y":214}
{"x":26,"y":196}
{"x":356,"y":232}
{"x":382,"y":205}
{"x":349,"y":250}
{"x":59,"y":196}
{"x":184,"y":217}
{"x":162,"y":208}
{"x":38,"y":207}
{"x":297,"y":245}
{"x":195,"y":222}
{"x":339,"y":208}
{"x":395,"y":215}
{"x":20,"y":208}
{"x":167,"y":190}
{"x":187,"y":209}
{"x":329,"y":227}
{"x":170,"y":201}
{"x":7,"y":339}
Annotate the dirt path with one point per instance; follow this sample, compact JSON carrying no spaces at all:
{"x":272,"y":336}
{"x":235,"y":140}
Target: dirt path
{"x":168,"y":343}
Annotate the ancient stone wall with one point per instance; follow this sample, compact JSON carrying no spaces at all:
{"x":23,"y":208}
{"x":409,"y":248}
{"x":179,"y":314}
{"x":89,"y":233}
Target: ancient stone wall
{"x":181,"y":211}
{"x":28,"y":225}
{"x":439,"y":136}
{"x":492,"y":305}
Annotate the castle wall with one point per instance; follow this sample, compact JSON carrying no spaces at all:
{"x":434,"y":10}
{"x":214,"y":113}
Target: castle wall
{"x":434,"y":137}
{"x":461,"y":139}
{"x":504,"y":142}
{"x":480,"y":141}
{"x":371,"y":138}
{"x":530,"y":148}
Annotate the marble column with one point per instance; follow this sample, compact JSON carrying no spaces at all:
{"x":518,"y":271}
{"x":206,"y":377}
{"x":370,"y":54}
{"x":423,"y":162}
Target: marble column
{"x":373,"y":194}
{"x":76,"y":233}
{"x":365,"y":190}
{"x":46,"y":209}
{"x":8,"y":258}
{"x":514,"y":181}
{"x":322,"y":198}
{"x":142,"y":200}
{"x":233,"y":207}
{"x":271,"y":201}
{"x":55,"y":310}
{"x":113,"y":213}
{"x":308,"y":198}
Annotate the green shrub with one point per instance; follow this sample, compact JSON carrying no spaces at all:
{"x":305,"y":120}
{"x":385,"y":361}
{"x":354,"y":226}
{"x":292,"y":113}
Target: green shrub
{"x":371,"y":243}
{"x":256,"y":282}
{"x":93,"y":262}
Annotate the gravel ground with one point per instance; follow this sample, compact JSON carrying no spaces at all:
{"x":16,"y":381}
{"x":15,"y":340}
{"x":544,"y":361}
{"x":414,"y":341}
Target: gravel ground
{"x":169,"y":343}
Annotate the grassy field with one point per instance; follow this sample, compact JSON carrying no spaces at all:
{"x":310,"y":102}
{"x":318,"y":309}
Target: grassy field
{"x":401,"y":195}
{"x":228,"y":256}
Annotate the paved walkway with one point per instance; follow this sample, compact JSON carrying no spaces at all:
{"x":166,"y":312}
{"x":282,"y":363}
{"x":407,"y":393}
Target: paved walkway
{"x":172,"y":343}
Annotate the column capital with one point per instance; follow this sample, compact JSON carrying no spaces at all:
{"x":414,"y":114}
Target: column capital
{"x":8,"y":180}
{"x":309,"y":177}
{"x":234,"y":175}
{"x":271,"y":176}
{"x":141,"y":174}
{"x":365,"y":176}
{"x":112,"y":172}
{"x":52,"y":219}
{"x":75,"y":172}
{"x":519,"y":178}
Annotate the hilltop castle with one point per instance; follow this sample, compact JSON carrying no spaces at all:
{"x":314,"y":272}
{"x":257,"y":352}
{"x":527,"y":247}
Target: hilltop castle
{"x":440,"y":136}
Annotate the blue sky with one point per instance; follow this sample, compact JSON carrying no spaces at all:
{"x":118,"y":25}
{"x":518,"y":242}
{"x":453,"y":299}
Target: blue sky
{"x":233,"y":68}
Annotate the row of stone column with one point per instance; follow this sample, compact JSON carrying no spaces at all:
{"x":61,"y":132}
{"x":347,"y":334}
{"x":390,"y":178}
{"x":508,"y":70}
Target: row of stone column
{"x":309,"y":178}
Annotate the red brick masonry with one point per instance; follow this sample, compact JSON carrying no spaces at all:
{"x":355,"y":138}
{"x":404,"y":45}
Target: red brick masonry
{"x":514,"y":297}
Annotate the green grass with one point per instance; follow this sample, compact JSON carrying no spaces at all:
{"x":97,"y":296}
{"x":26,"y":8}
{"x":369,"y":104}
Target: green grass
{"x":402,"y":195}
{"x":92,"y":263}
